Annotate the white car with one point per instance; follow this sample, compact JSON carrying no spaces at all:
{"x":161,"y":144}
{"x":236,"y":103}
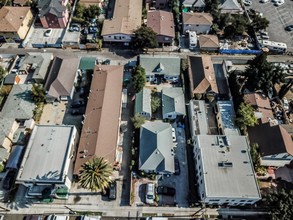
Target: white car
{"x":173,"y":134}
{"x":150,"y":193}
{"x":279,"y":3}
{"x":48,"y":32}
{"x":264,"y":1}
{"x":247,"y":2}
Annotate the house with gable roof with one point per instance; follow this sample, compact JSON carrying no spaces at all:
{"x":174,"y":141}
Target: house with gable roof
{"x":36,"y":64}
{"x":230,"y":6}
{"x":199,"y":22}
{"x":261,"y":104}
{"x":61,"y":78}
{"x":143,"y":103}
{"x":202,"y":76}
{"x":53,"y":13}
{"x":126,"y":19}
{"x":162,"y":23}
{"x":167,"y":67}
{"x":173,"y":104}
{"x":208,"y":42}
{"x":15,"y":23}
{"x":274,"y":142}
{"x":156,"y":148}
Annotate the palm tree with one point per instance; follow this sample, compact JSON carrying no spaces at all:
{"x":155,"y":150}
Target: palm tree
{"x":95,"y":174}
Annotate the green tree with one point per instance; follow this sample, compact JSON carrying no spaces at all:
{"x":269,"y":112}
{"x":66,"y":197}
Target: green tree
{"x":95,"y":174}
{"x":245,"y":117}
{"x":144,"y":38}
{"x":260,"y":74}
{"x":79,"y":10}
{"x":38,"y":93}
{"x":255,"y":156}
{"x":279,"y":203}
{"x":2,"y":73}
{"x":93,"y":11}
{"x":138,"y":78}
{"x":237,"y":24}
{"x":155,"y":103}
{"x":259,"y":23}
{"x":137,"y":121}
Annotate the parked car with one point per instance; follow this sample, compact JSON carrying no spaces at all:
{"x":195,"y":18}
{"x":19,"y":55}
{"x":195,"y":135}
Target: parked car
{"x":173,"y":134}
{"x":279,"y":3}
{"x":106,"y":62}
{"x":165,"y":190}
{"x":264,"y":1}
{"x":150,"y":193}
{"x":177,"y":166}
{"x":77,"y":103}
{"x":78,"y":111}
{"x":247,"y":2}
{"x":112,"y":190}
{"x":48,"y":32}
{"x":82,"y":92}
{"x":289,"y":28}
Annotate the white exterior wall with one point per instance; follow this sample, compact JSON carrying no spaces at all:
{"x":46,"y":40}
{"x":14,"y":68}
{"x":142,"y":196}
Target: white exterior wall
{"x":199,"y":29}
{"x":146,"y":115}
{"x":278,"y":160}
{"x":170,"y":115}
{"x":6,"y":142}
{"x":209,"y":199}
{"x":117,"y":38}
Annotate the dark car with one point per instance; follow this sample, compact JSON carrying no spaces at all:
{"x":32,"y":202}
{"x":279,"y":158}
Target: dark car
{"x":78,"y":103}
{"x":9,"y":179}
{"x":106,"y":62}
{"x":289,"y":28}
{"x":165,"y":190}
{"x":112,"y":190}
{"x":78,"y":111}
{"x":177,"y":167}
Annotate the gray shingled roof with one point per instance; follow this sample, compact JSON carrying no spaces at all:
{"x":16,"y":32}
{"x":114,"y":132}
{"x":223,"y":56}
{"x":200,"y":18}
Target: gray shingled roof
{"x":143,"y":101}
{"x":173,"y":100}
{"x":230,"y":5}
{"x":194,"y":3}
{"x":19,"y":104}
{"x":61,"y":76}
{"x":163,"y":65}
{"x":40,"y":63}
{"x":53,"y":7}
{"x":5,"y":127}
{"x":155,"y":147}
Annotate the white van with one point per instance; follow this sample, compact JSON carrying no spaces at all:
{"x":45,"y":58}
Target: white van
{"x":150,"y":193}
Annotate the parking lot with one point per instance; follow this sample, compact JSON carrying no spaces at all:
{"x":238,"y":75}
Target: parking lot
{"x":279,"y":17}
{"x":36,"y":36}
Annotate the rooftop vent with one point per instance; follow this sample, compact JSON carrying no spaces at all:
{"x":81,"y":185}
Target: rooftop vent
{"x":224,"y":164}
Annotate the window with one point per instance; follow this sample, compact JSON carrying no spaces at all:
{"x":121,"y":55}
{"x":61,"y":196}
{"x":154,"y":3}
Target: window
{"x":202,"y":195}
{"x":200,"y":181}
{"x":167,"y":38}
{"x":198,"y":157}
{"x":199,"y":173}
{"x":249,"y":201}
{"x":242,"y":200}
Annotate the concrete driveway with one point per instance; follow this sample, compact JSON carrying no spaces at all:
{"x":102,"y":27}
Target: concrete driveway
{"x":179,"y":182}
{"x":279,"y":17}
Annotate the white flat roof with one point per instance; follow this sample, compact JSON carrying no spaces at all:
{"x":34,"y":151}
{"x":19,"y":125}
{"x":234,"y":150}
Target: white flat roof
{"x":46,"y":154}
{"x":227,"y":167}
{"x":199,"y":117}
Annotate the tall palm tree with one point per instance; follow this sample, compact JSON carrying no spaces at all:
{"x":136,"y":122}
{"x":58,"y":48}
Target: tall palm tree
{"x":95,"y":174}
